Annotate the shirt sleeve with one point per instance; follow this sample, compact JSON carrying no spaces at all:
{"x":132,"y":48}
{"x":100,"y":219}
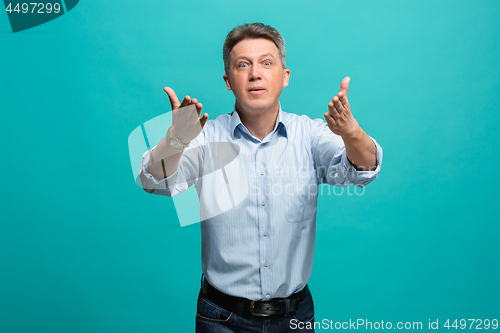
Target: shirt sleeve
{"x":330,"y":159}
{"x":187,"y":174}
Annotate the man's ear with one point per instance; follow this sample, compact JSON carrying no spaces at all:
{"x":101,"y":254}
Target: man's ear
{"x":226,"y":79}
{"x":286,"y":77}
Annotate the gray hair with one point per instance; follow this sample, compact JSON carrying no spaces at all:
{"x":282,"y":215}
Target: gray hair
{"x":250,"y":31}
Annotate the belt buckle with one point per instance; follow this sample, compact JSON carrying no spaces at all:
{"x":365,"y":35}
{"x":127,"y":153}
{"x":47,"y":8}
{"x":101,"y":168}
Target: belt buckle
{"x":257,"y":314}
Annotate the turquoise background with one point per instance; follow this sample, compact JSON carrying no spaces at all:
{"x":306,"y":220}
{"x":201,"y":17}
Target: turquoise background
{"x":83,"y":249}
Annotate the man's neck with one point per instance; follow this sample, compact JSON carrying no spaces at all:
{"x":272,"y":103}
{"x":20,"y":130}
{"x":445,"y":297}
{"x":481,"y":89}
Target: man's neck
{"x":258,"y":122}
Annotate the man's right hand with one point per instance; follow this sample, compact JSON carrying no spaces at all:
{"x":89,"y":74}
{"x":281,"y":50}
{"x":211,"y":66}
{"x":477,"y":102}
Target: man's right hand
{"x":186,"y":124}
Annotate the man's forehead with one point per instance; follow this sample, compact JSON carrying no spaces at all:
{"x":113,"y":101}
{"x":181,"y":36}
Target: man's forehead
{"x":255,"y":47}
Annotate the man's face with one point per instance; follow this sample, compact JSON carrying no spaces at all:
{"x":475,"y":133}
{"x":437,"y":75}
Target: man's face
{"x":256,"y":75}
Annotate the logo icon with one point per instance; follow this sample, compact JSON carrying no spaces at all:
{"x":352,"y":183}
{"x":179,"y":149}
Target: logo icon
{"x":220,"y":172}
{"x":25,"y":15}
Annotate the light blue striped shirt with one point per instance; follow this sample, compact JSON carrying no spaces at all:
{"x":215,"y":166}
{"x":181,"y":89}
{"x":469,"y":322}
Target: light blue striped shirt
{"x":258,"y":199}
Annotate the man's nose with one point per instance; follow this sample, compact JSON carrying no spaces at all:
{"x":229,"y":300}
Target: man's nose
{"x":255,"y":73}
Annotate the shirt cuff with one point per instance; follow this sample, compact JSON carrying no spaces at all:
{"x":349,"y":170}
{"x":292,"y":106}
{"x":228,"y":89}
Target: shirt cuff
{"x":361,"y":178}
{"x":151,"y":181}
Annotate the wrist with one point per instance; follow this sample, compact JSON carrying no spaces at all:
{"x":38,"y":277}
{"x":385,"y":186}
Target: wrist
{"x":174,"y":135}
{"x":175,"y":142}
{"x":354,"y":133}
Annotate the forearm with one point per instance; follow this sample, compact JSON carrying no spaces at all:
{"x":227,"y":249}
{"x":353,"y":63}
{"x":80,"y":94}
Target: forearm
{"x":361,"y":150}
{"x":170,"y":157}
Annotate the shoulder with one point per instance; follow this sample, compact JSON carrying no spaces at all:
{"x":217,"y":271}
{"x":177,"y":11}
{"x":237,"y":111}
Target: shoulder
{"x":302,"y":123}
{"x":215,"y":129}
{"x":222,"y":122}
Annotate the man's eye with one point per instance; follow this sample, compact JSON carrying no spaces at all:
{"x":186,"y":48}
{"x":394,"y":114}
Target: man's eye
{"x":243,"y":65}
{"x":267,"y":63}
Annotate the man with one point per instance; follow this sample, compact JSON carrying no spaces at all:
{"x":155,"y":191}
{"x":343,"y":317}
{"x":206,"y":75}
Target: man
{"x":257,"y":256}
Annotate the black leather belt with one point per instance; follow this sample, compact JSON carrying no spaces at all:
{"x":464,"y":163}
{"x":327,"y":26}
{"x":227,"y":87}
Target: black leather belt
{"x":272,"y":307}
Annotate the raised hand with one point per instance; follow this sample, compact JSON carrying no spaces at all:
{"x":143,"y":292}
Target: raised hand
{"x":186,"y":124}
{"x":339,"y":117}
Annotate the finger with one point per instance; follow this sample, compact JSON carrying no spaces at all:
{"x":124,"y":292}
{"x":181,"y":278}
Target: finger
{"x":344,"y":85}
{"x":203,"y":120}
{"x":338,"y":105}
{"x":343,"y":100}
{"x":331,"y":109}
{"x":329,"y":119}
{"x":199,"y":107}
{"x":185,"y":101}
{"x":174,"y":101}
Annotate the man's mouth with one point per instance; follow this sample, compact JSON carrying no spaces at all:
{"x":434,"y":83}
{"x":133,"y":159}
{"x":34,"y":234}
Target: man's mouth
{"x":256,"y":90}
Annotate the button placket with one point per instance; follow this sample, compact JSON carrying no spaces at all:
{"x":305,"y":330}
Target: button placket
{"x":263,"y":221}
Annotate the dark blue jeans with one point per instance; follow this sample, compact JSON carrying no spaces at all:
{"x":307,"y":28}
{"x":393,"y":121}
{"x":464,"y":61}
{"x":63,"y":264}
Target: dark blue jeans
{"x":211,"y":318}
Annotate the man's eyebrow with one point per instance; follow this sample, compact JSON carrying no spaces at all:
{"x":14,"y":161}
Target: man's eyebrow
{"x":261,"y":56}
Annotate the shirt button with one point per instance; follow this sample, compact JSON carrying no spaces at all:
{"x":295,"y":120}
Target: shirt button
{"x":261,"y":146}
{"x":262,"y":173}
{"x":268,"y":296}
{"x":265,"y":233}
{"x":263,"y":202}
{"x":266,"y":264}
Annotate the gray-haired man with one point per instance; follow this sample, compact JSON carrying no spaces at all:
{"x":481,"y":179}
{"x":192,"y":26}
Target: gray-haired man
{"x":257,"y":257}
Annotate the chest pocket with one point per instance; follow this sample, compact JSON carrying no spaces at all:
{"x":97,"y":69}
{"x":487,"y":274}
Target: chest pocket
{"x":300,"y":196}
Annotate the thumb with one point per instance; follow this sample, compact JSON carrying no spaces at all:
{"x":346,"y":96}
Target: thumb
{"x":344,"y":85}
{"x":174,"y":101}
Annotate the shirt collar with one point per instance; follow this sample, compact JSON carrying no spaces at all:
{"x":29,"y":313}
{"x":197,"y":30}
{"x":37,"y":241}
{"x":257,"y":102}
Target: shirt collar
{"x":281,"y":119}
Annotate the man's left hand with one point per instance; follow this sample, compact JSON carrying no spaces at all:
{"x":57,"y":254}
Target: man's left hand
{"x":339,"y":118}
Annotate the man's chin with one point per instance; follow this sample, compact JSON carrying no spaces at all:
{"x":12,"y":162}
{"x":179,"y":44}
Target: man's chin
{"x":256,"y":104}
{"x":259,"y":108}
